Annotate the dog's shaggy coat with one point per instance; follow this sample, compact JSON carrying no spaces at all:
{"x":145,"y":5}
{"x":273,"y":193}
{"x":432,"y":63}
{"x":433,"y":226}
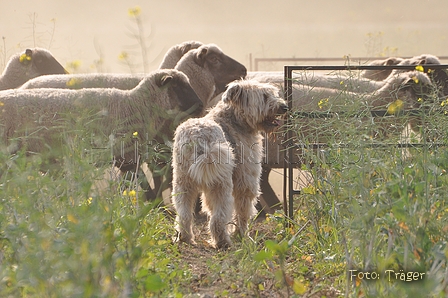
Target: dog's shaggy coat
{"x":220,"y":155}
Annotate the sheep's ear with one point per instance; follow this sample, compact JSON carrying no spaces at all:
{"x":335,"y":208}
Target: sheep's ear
{"x":164,"y":80}
{"x":390,"y":61}
{"x":185,"y":48}
{"x":201,"y":54}
{"x":410,"y":81}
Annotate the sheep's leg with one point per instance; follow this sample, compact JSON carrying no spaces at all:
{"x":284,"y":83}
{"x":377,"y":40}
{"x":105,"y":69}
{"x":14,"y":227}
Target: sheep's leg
{"x":143,"y":183}
{"x":268,"y":194}
{"x":161,"y":184}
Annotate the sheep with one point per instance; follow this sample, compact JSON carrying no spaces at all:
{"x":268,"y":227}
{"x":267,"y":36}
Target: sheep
{"x":120,"y":81}
{"x":399,"y":86}
{"x":176,"y":52}
{"x":348,"y":82}
{"x":366,"y":82}
{"x":31,"y":119}
{"x":24,"y":66}
{"x":438,"y":76}
{"x":207,"y":67}
{"x":89,"y":80}
{"x":408,"y":87}
{"x":380,"y":75}
{"x":213,"y":70}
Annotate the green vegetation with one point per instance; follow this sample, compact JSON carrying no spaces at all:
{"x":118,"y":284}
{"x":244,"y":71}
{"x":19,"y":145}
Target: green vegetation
{"x":371,"y":210}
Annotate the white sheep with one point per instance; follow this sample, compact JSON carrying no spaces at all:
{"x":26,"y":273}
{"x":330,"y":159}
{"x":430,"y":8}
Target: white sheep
{"x":24,"y":66}
{"x":438,"y":76}
{"x":367,"y":81}
{"x":104,"y":80}
{"x":207,"y":67}
{"x":398,"y":86}
{"x":34,"y":118}
{"x":173,"y":55}
{"x":345,"y":81}
{"x":85,"y":80}
{"x":407,"y":87}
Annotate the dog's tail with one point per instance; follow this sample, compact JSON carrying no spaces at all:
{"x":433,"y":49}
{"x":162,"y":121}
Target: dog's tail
{"x":213,"y":165}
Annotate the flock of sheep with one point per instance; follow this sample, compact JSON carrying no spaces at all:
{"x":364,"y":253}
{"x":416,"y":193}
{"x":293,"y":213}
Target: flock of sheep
{"x":38,"y":95}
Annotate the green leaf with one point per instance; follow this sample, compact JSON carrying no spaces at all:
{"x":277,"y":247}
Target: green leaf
{"x":263,"y":256}
{"x":298,"y":287}
{"x":154,"y":283}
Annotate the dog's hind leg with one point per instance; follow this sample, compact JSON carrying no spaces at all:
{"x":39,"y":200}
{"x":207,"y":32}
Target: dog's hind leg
{"x":244,"y":210}
{"x":218,"y":203}
{"x":184,"y":200}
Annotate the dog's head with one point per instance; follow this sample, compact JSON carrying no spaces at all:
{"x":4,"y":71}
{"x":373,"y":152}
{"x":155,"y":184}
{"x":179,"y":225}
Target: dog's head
{"x":255,"y":104}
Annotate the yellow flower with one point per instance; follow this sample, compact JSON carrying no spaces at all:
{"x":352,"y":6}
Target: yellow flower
{"x":341,"y":83}
{"x":24,"y":58}
{"x":125,"y":192}
{"x":74,"y":64}
{"x":420,"y":68}
{"x":123,"y":56}
{"x":403,"y":226}
{"x":322,"y":103}
{"x":89,"y":200}
{"x":135,"y":134}
{"x":395,"y":107}
{"x":134,"y":12}
{"x":72,"y":82}
{"x":415,"y":79}
{"x":71,"y":218}
{"x":132,"y":193}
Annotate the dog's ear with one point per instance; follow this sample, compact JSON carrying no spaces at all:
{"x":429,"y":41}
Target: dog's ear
{"x":233,"y":93}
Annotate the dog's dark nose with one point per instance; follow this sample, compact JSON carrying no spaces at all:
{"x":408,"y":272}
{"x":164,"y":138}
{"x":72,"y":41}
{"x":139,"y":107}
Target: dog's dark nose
{"x":283,"y":109}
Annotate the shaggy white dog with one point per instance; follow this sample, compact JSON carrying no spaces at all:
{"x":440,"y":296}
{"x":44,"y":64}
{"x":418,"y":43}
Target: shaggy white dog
{"x":220,"y":155}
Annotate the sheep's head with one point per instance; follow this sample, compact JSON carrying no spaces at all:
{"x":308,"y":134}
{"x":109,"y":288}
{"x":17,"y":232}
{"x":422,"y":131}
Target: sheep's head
{"x":30,"y":64}
{"x":414,"y":88}
{"x":379,"y":75}
{"x":223,"y":68}
{"x":180,"y":92}
{"x":44,"y":63}
{"x":440,"y":78}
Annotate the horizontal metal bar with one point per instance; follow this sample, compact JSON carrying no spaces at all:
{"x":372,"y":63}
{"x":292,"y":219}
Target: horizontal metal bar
{"x":375,"y":113}
{"x":371,"y":145}
{"x":363,"y":67}
{"x":348,"y":58}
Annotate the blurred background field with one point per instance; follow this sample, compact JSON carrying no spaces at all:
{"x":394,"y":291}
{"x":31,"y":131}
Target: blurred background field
{"x":95,"y":33}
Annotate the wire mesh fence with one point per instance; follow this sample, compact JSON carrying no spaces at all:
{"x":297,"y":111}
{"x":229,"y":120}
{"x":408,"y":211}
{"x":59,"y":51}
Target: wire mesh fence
{"x":324,"y":126}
